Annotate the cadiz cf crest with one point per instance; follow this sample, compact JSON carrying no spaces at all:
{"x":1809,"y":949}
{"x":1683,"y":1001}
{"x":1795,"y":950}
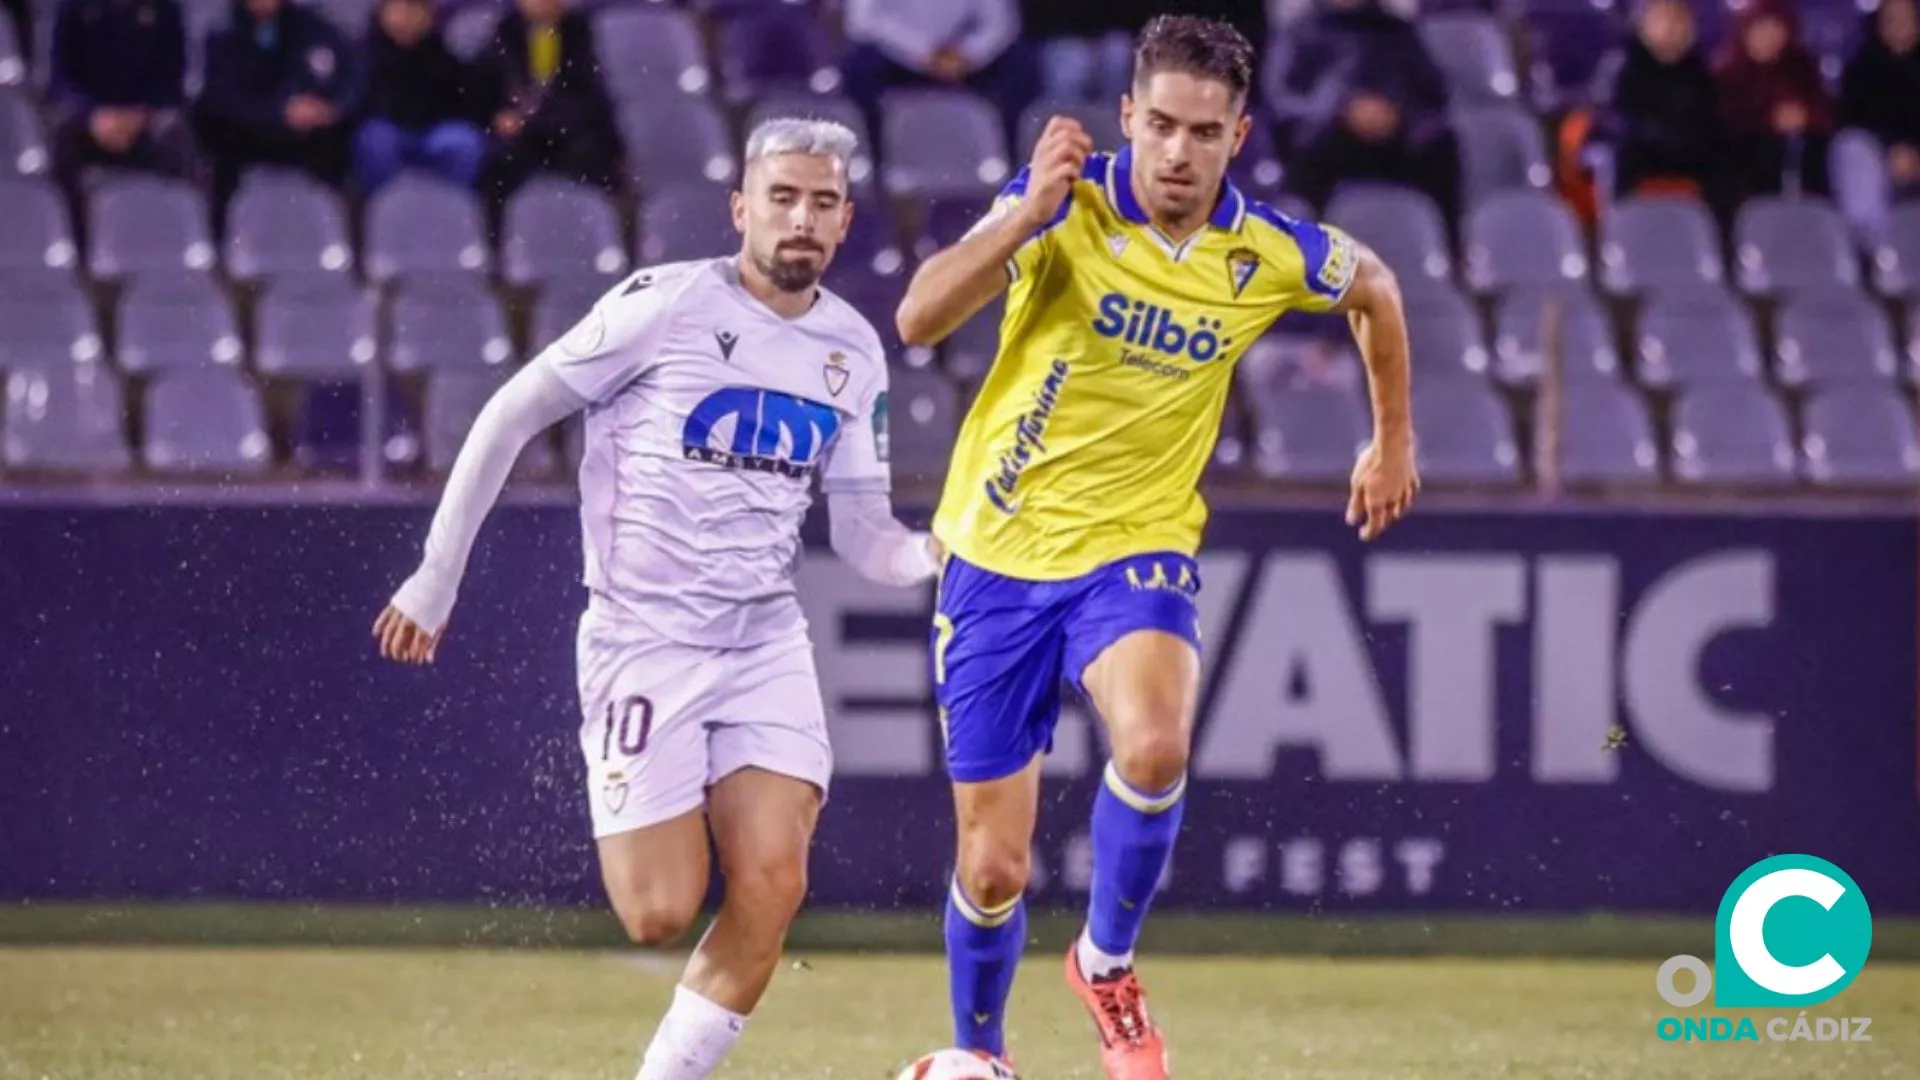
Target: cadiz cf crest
{"x":1242,"y":264}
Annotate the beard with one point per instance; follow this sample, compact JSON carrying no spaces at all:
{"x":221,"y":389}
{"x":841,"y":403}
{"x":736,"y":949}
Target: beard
{"x":790,"y":274}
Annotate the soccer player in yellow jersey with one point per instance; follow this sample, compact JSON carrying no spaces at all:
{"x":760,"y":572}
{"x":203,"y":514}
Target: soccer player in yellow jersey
{"x":1071,"y":516}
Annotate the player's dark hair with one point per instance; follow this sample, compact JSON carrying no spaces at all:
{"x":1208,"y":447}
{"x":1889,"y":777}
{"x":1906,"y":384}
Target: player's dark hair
{"x":1194,"y":45}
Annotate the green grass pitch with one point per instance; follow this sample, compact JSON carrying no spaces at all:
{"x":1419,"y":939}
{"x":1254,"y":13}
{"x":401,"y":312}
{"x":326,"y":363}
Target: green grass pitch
{"x":191,"y":1013}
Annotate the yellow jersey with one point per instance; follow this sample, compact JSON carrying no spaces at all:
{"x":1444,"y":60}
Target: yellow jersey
{"x":1086,"y":442}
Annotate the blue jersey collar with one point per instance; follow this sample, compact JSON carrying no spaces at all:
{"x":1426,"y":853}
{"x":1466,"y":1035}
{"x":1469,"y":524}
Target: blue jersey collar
{"x":1228,"y":212}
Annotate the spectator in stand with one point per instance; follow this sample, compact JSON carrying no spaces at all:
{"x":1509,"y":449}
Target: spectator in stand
{"x":116,"y":88}
{"x":1362,"y":99}
{"x":422,"y":103}
{"x":1664,"y":119}
{"x":972,"y":44}
{"x":281,"y":82}
{"x":550,"y":110}
{"x":1774,"y":106}
{"x":1880,"y":92}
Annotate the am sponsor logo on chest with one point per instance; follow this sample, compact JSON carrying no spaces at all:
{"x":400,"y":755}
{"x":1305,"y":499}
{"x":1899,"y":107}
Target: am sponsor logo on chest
{"x":759,"y":429}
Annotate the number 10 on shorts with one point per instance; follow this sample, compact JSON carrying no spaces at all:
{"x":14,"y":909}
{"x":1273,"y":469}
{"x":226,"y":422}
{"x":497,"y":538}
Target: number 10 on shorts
{"x":629,"y":723}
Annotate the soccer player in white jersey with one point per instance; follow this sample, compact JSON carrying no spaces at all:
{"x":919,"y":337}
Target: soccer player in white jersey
{"x":713,"y":392}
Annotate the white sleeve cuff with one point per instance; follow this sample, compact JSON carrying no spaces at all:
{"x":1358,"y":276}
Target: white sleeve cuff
{"x":881,"y":549}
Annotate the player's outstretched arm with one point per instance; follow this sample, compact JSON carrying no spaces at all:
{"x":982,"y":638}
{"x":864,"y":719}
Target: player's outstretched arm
{"x":535,"y":399}
{"x":952,"y":286}
{"x":864,"y":533}
{"x":1384,"y":479}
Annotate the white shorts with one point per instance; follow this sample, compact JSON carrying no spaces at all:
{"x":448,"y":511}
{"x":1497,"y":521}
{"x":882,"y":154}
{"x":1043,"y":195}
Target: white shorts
{"x":662,"y":721}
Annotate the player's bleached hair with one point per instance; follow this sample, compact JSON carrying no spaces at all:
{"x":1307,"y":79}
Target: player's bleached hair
{"x":801,"y":135}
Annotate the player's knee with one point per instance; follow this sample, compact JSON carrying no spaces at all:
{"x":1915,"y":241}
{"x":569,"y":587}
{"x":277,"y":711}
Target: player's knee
{"x":655,"y":922}
{"x":1152,"y":757}
{"x":770,"y":888}
{"x":994,"y":874}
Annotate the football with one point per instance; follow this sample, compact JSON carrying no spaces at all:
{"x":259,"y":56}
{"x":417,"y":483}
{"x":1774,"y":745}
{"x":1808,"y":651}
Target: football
{"x":953,"y":1064}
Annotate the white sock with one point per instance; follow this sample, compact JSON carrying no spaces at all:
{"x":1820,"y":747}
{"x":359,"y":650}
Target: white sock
{"x":1094,"y":963}
{"x":693,"y":1037}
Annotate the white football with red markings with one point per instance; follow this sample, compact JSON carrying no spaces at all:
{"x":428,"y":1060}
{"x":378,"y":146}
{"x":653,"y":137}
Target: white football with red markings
{"x":953,"y":1064}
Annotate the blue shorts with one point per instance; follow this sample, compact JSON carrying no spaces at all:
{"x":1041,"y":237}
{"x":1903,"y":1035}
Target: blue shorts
{"x":1002,"y":647}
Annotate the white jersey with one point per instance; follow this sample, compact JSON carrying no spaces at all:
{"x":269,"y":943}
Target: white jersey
{"x":708,"y":415}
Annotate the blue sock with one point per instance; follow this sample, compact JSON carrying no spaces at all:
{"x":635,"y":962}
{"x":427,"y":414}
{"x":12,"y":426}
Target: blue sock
{"x":1133,"y":834}
{"x":983,"y":949}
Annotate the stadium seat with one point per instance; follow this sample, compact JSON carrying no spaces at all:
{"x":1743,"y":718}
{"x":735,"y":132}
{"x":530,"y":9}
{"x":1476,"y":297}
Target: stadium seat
{"x":1294,"y":207}
{"x":140,"y":224}
{"x":1403,"y":226}
{"x":1587,"y":349}
{"x":1101,"y":119}
{"x":1230,"y":449}
{"x":824,"y":107}
{"x":205,"y":421}
{"x":1257,"y":169}
{"x":46,"y":322}
{"x":454,"y":400}
{"x":1896,"y":264}
{"x":1310,"y":434}
{"x":676,"y":142}
{"x":34,"y":232}
{"x":1519,"y":238}
{"x":469,"y":29}
{"x":23,"y":151}
{"x":562,"y":302}
{"x":284,"y":222}
{"x":1445,"y":336}
{"x":772,"y":50}
{"x":877,"y":298}
{"x":685,"y":223}
{"x":1501,"y":148}
{"x":1731,"y":433}
{"x":13,"y":65}
{"x":1913,"y":341}
{"x":1466,"y":433}
{"x":946,"y":221}
{"x":969,"y":351}
{"x":320,"y":327}
{"x":1648,"y":244}
{"x":923,"y":419}
{"x":67,"y":418}
{"x":1472,"y":50}
{"x":1783,"y":245}
{"x":328,"y":427}
{"x":1859,"y":434}
{"x":176,"y":322}
{"x":446,"y":323}
{"x":1606,"y":435}
{"x":555,"y":228}
{"x":417,"y":225}
{"x":941,"y":142}
{"x":649,"y":52}
{"x":1833,"y":337}
{"x":873,"y":241}
{"x":1696,"y":337}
